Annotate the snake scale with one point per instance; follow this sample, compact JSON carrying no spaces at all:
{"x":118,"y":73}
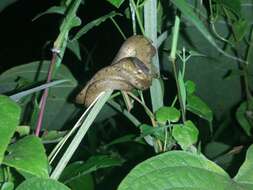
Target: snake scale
{"x":130,"y":69}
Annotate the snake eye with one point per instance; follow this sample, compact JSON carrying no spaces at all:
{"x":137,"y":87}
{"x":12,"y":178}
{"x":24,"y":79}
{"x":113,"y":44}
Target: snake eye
{"x":142,"y":68}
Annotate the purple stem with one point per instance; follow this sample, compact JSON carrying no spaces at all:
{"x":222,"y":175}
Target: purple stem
{"x":45,"y":95}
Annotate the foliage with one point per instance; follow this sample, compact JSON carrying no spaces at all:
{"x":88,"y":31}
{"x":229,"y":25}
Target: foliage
{"x":191,"y":130}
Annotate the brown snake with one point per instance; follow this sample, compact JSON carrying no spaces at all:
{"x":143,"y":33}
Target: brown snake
{"x":130,"y":69}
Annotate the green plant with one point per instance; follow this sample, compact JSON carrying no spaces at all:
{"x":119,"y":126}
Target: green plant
{"x":184,"y":125}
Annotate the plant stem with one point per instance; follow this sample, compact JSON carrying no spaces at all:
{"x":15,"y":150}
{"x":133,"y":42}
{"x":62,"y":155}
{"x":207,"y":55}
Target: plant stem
{"x":58,"y":49}
{"x":119,"y":29}
{"x":173,"y":61}
{"x":138,"y":17}
{"x":150,"y":24}
{"x":245,"y":69}
{"x":45,"y":95}
{"x":132,"y":11}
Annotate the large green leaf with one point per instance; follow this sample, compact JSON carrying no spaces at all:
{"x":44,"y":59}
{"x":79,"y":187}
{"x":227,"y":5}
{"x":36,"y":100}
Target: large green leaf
{"x":28,"y":155}
{"x":177,"y":170}
{"x":80,"y":168}
{"x":245,"y":173}
{"x":9,"y":119}
{"x":5,"y":3}
{"x":58,"y":104}
{"x":41,"y":184}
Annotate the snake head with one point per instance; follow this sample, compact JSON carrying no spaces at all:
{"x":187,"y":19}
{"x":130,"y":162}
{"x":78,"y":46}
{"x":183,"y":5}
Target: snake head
{"x":136,"y":46}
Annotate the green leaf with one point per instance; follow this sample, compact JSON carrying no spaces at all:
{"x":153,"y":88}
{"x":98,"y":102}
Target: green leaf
{"x":116,"y":3}
{"x":177,"y":170}
{"x":75,"y":21}
{"x":16,"y":97}
{"x":9,"y":114}
{"x":234,"y":6}
{"x":28,"y":155}
{"x":82,"y":182}
{"x":245,"y":173}
{"x":23,"y":130}
{"x":7,"y":186}
{"x":199,"y":107}
{"x":93,"y":23}
{"x":41,"y":184}
{"x":240,"y":29}
{"x":52,"y":136}
{"x":74,"y":47}
{"x":5,"y":3}
{"x":182,"y":88}
{"x":190,"y":87}
{"x":123,"y":139}
{"x":186,"y":134}
{"x":189,"y":13}
{"x":52,"y":10}
{"x":147,"y":130}
{"x":242,"y":119}
{"x":164,"y":114}
{"x":219,"y":153}
{"x":80,"y":168}
{"x":57,"y":102}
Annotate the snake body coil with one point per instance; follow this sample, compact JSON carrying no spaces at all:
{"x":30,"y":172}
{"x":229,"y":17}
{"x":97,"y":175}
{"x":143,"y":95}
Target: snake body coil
{"x":130,"y":69}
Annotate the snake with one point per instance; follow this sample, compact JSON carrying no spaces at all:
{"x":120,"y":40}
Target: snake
{"x":130,"y":69}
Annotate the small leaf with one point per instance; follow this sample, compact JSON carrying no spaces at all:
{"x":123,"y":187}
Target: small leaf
{"x":234,"y":6}
{"x":146,"y":130}
{"x":185,"y":135}
{"x":182,"y":88}
{"x":199,"y":107}
{"x":164,"y":114}
{"x":196,"y":54}
{"x":74,"y":47}
{"x":75,"y":21}
{"x":52,"y":10}
{"x":23,"y":130}
{"x":245,"y":173}
{"x":28,"y":155}
{"x":240,"y":29}
{"x":7,"y":186}
{"x":242,"y":119}
{"x":40,"y":184}
{"x":80,"y":168}
{"x":126,"y":138}
{"x":176,"y":170}
{"x":9,"y":119}
{"x":83,"y":182}
{"x":92,"y":24}
{"x":52,"y":136}
{"x":116,"y":3}
{"x":190,"y":87}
